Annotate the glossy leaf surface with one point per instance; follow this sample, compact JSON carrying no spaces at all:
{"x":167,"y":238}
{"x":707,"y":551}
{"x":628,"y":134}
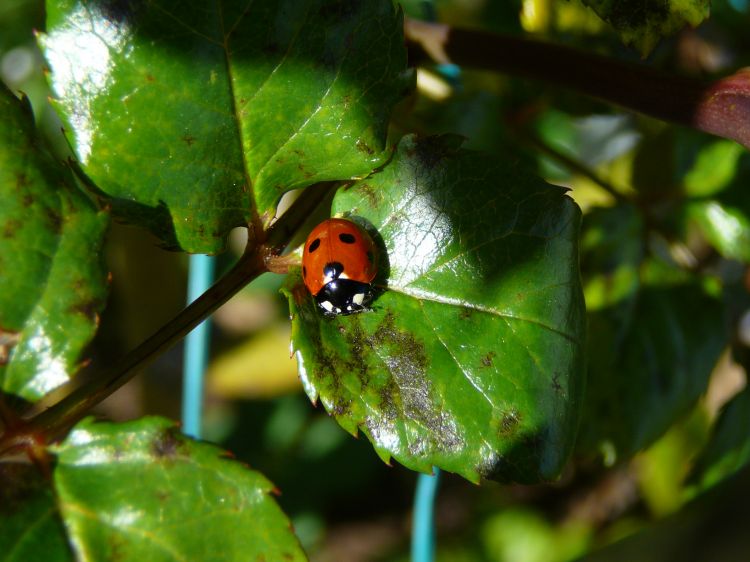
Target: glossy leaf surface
{"x":642,"y":24}
{"x":188,"y":115}
{"x":653,"y":337}
{"x":471,"y":359}
{"x":51,"y":272}
{"x":30,"y":525}
{"x":143,"y":491}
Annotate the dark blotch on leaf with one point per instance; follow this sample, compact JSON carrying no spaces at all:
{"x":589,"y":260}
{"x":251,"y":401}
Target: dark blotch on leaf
{"x":22,"y":180}
{"x":10,"y":228}
{"x":89,"y":309}
{"x":359,"y":345}
{"x":488,"y":359}
{"x":166,"y":444}
{"x":364,"y":147}
{"x":509,"y":423}
{"x":55,"y":220}
{"x":466,"y":313}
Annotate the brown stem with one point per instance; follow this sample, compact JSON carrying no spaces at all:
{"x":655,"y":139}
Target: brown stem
{"x":58,"y":418}
{"x":721,"y":107}
{"x":61,"y":416}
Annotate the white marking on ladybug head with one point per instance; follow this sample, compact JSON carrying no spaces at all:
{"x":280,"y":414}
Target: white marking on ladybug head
{"x":327,"y":306}
{"x":358,"y":299}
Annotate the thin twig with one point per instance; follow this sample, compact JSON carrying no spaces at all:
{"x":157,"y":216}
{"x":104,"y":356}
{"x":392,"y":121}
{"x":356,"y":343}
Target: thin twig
{"x":721,"y":107}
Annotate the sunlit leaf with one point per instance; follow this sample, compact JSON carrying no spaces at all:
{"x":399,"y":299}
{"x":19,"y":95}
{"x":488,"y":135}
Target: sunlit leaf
{"x":471,"y":359}
{"x":187,"y":115}
{"x":143,"y":491}
{"x":51,"y":273}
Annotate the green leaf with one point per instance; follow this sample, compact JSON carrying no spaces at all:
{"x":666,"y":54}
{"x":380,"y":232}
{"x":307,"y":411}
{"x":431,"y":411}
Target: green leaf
{"x":142,"y":491}
{"x":471,"y":359}
{"x":728,"y":450}
{"x":30,"y":525}
{"x":643,"y":23}
{"x":718,"y":201}
{"x":52,"y":276}
{"x":191,"y":116}
{"x":654,"y":337}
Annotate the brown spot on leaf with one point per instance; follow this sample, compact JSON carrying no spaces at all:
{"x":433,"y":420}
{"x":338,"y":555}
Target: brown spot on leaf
{"x":55,"y":220}
{"x":509,"y":423}
{"x":22,"y":180}
{"x":371,"y":194}
{"x":166,"y":445}
{"x":365,"y":148}
{"x":466,"y":313}
{"x":89,"y":309}
{"x":188,"y":139}
{"x":488,"y":359}
{"x":11,"y":227}
{"x":27,"y":200}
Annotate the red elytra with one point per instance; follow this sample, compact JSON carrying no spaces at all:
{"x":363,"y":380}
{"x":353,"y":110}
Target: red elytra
{"x":337,"y":242}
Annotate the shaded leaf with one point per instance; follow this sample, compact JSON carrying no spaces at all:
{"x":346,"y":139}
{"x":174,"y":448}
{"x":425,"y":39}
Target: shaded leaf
{"x":654,"y":337}
{"x":642,"y":24}
{"x":471,"y":359}
{"x":143,"y":491}
{"x":51,"y":272}
{"x":30,"y":525}
{"x":728,"y":450}
{"x":190,"y":115}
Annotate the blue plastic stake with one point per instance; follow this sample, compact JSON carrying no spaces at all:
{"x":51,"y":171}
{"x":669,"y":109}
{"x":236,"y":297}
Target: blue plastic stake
{"x":423,"y":525}
{"x":200,"y":277}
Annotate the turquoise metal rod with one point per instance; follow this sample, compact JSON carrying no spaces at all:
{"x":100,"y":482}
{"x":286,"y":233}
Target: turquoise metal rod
{"x":423,"y":525}
{"x":200,"y":277}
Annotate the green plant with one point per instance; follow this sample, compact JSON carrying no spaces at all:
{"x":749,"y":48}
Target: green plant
{"x":189,"y":120}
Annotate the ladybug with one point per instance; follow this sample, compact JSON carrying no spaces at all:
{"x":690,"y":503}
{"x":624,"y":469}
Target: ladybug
{"x":338,"y":266}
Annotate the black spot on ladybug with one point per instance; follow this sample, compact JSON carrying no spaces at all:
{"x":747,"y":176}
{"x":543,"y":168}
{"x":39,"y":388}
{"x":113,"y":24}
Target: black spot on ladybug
{"x":370,"y":257}
{"x":333,"y":270}
{"x":314,"y":246}
{"x":347,"y":238}
{"x":304,"y":271}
